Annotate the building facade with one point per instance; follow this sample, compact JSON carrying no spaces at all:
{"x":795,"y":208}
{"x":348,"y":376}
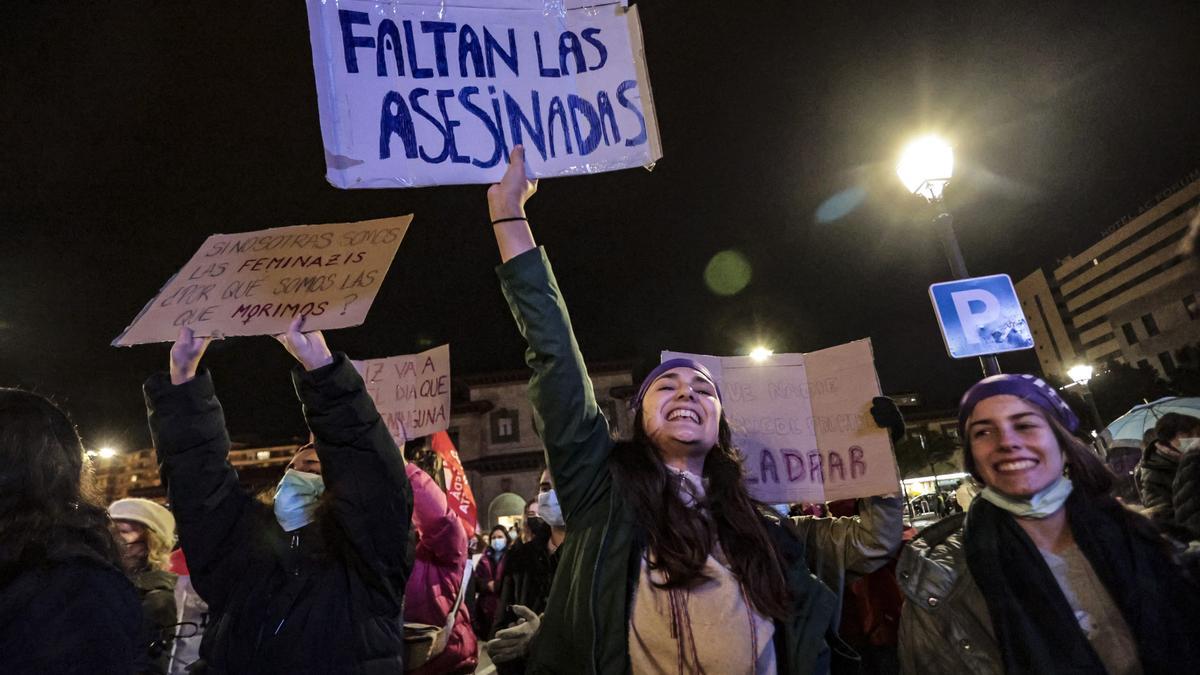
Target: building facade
{"x":1131,"y":297}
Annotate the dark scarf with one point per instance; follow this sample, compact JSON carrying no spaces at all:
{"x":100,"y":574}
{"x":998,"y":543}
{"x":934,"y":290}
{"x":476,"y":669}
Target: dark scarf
{"x":1035,"y":628}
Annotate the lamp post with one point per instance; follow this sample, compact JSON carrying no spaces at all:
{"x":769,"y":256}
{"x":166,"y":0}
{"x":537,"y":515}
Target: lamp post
{"x":1080,"y":375}
{"x":925,"y":168}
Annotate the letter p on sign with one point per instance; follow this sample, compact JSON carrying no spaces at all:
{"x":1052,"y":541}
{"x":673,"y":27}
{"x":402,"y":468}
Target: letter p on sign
{"x":980,"y":316}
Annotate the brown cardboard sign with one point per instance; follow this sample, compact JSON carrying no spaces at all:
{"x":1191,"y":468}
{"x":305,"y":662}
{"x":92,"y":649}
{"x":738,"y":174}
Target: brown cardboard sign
{"x":256,"y":283}
{"x":412,"y":393}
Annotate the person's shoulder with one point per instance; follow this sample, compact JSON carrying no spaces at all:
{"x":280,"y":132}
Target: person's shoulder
{"x":156,"y":580}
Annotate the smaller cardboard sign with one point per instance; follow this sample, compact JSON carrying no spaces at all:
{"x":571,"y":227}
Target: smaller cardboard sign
{"x":412,"y":393}
{"x":803,"y":424}
{"x":256,"y":283}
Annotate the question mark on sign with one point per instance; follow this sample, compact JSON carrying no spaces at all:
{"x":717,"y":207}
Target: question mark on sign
{"x":349,"y":299}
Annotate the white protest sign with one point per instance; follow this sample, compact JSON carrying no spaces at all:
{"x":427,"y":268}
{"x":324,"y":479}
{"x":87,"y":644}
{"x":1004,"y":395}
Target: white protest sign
{"x":803,"y":423}
{"x":412,"y":393}
{"x":256,"y":283}
{"x":436,"y":93}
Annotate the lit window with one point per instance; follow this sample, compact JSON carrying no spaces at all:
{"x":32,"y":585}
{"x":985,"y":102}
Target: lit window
{"x":264,"y":454}
{"x":133,"y":478}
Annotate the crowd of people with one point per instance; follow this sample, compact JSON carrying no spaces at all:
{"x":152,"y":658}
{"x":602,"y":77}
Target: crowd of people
{"x":645,"y":555}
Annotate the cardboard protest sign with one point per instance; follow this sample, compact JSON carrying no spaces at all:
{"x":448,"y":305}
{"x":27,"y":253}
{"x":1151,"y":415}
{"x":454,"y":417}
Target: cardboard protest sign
{"x":803,"y":423}
{"x":412,"y":393}
{"x":433,"y":92}
{"x":459,"y":496}
{"x":256,"y":283}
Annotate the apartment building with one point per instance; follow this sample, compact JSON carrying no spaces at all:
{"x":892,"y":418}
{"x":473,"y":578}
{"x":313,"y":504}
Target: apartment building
{"x":1131,"y":297}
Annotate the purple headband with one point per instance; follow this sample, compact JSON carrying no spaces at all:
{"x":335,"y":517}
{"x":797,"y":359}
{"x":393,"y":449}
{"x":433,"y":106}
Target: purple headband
{"x":1027,"y":387}
{"x":668,"y":365}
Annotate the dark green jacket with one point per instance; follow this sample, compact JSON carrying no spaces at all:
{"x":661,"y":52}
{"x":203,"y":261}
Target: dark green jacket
{"x":585,"y":626}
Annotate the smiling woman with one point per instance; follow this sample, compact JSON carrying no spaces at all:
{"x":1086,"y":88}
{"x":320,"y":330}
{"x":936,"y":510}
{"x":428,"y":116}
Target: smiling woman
{"x":1048,"y":573}
{"x":671,"y":566}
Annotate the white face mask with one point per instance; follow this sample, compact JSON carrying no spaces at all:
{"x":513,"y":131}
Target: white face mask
{"x":498,"y":545}
{"x":1040,"y":505}
{"x":549,"y":510}
{"x":1188,"y":444}
{"x":296,"y":499}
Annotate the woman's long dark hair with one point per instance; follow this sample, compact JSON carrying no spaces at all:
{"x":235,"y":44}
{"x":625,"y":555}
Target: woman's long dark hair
{"x":47,"y":508}
{"x":681,"y":537}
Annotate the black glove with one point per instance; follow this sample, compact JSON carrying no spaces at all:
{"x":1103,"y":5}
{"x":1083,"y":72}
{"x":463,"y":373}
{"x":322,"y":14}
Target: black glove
{"x":887,"y":416}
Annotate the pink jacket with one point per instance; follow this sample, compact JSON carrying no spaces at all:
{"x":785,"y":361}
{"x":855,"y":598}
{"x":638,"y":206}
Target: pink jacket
{"x":437,"y":574}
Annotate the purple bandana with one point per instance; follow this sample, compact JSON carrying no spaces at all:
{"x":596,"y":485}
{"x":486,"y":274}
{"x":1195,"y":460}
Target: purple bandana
{"x":668,"y":365}
{"x":1032,"y":389}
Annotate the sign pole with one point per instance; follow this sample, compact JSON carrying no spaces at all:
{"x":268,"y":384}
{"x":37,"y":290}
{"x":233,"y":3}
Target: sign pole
{"x":945,"y":224}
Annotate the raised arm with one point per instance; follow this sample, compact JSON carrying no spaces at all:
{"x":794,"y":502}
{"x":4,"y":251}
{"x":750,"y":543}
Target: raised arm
{"x":360,"y":464}
{"x":215,"y":517}
{"x":566,"y":416}
{"x":842,"y":549}
{"x":443,"y":538}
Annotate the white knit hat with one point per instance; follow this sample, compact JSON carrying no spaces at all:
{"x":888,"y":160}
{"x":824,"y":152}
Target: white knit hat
{"x":148,"y":513}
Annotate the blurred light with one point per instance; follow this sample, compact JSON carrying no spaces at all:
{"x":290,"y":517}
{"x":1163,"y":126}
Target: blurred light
{"x":925,"y":167}
{"x":840,"y":205}
{"x":761,"y":353}
{"x":106,"y":452}
{"x":727,"y":273}
{"x":1080,"y":374}
{"x":91,"y":453}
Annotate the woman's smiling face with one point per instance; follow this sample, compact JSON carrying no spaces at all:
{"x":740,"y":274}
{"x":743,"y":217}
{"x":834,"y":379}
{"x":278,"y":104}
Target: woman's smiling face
{"x":681,"y":406}
{"x":1014,"y":447}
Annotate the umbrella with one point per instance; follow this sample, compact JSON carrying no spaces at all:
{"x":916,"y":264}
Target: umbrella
{"x":1141,"y":418}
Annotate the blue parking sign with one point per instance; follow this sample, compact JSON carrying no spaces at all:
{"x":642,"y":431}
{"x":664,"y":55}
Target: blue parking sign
{"x":980,"y":316}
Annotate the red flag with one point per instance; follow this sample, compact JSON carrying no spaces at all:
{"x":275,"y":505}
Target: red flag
{"x":458,"y":492}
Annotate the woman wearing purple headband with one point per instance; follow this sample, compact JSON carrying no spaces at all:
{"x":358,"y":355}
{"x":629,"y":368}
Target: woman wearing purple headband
{"x":668,"y":565}
{"x":1047,"y":573}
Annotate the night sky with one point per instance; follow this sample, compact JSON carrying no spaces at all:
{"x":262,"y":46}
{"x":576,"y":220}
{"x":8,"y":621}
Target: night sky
{"x":133,"y":130}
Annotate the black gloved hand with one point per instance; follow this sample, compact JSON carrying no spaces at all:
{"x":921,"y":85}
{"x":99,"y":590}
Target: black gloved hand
{"x":887,"y":416}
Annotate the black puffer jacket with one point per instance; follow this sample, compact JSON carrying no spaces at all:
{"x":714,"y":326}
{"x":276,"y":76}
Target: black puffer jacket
{"x":157,"y":591}
{"x":1186,"y":493}
{"x":324,"y":599}
{"x":72,"y":613}
{"x":1156,"y":483}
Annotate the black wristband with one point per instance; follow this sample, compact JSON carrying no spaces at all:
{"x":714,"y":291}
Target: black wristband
{"x":507,"y":220}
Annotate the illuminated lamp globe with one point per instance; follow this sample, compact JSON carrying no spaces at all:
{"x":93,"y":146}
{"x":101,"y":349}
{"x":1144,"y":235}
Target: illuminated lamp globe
{"x":926,"y":166}
{"x":1080,"y":374}
{"x":107,"y":452}
{"x":761,"y":353}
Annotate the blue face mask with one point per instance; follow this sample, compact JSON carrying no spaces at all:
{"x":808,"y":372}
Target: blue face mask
{"x":296,"y":499}
{"x":549,"y":510}
{"x":1043,"y":504}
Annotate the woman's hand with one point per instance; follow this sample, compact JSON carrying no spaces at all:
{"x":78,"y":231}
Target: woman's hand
{"x":186,"y":354}
{"x":308,"y":348}
{"x":507,"y":198}
{"x":506,"y":201}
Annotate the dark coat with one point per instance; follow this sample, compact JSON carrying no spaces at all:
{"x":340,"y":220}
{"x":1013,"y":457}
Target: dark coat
{"x":73,"y":614}
{"x":1186,"y":494}
{"x":325,"y":598}
{"x":1156,"y":479}
{"x":157,"y":591}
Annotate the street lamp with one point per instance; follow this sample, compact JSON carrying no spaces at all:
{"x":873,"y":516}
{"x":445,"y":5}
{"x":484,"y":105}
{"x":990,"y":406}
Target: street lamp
{"x":761,"y":353}
{"x":925,"y":168}
{"x":107,"y":453}
{"x":1081,"y":374}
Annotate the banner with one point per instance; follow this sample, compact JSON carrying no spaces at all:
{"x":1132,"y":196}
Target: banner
{"x":433,"y":92}
{"x":256,"y":283}
{"x":412,"y":393}
{"x":803,"y":424}
{"x":458,"y":491}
